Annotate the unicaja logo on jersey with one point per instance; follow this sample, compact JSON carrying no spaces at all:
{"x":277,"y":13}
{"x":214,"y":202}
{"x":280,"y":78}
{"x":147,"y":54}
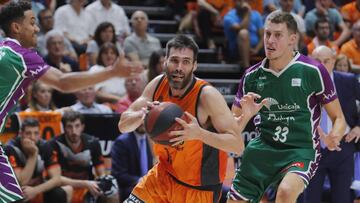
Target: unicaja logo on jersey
{"x":281,"y":107}
{"x":270,"y":102}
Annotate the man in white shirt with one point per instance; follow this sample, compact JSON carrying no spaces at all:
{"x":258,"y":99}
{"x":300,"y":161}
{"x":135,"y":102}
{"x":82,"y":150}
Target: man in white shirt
{"x":86,"y":102}
{"x":106,"y":11}
{"x":75,"y":23}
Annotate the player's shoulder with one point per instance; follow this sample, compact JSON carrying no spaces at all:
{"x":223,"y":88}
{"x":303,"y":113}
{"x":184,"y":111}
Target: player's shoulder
{"x":307,"y":63}
{"x":252,"y":70}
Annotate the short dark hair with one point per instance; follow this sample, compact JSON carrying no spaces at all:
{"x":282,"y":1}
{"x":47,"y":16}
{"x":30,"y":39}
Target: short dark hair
{"x":29,"y":122}
{"x":103,"y":48}
{"x":101,"y":28}
{"x":13,"y":11}
{"x":71,"y":116}
{"x":278,"y":17}
{"x":181,"y":42}
{"x":321,"y":20}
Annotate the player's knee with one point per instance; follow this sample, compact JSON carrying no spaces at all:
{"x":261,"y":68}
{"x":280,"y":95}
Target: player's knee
{"x":284,"y":191}
{"x":243,"y":34}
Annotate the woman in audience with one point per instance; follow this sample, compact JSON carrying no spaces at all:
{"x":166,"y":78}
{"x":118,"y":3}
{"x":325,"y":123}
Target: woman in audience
{"x":113,"y":89}
{"x":40,"y":98}
{"x":342,"y":63}
{"x":156,"y":64}
{"x":105,"y":32}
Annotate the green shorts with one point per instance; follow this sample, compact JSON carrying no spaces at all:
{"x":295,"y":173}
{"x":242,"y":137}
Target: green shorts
{"x":264,"y":165}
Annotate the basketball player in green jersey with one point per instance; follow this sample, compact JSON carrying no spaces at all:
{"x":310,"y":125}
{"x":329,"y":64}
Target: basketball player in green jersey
{"x":287,"y":152}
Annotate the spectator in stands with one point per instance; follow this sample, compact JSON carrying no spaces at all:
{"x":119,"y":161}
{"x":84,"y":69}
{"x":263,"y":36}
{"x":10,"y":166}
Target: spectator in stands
{"x":139,"y":45}
{"x":288,"y":6}
{"x":351,"y":12}
{"x":351,"y":48}
{"x":75,"y":23}
{"x":78,"y":155}
{"x":322,"y":36}
{"x":323,"y":10}
{"x":113,"y":89}
{"x":31,"y":158}
{"x":134,"y":88}
{"x":210,"y":15}
{"x":342,"y":63}
{"x":86,"y":102}
{"x":272,"y":5}
{"x":131,"y":158}
{"x":156,"y":64}
{"x":107,"y":11}
{"x":243,"y":30}
{"x":56,"y":58}
{"x":338,"y":165}
{"x":46,"y":23}
{"x":105,"y":32}
{"x":41,"y":98}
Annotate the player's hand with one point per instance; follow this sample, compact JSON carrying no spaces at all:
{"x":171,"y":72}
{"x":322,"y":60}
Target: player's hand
{"x":353,"y":134}
{"x":191,"y":130}
{"x":93,"y":187}
{"x":29,"y":192}
{"x":29,"y":147}
{"x":249,"y":107}
{"x":124,"y":68}
{"x":331,"y":141}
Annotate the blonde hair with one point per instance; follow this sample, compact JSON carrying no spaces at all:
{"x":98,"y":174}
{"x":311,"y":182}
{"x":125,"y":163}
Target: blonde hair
{"x":341,"y":57}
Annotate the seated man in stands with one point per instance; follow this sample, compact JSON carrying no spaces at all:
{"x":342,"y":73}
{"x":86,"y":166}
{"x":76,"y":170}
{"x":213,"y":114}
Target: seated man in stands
{"x":30,"y":159}
{"x":139,"y":45}
{"x":322,"y":37}
{"x":323,"y":10}
{"x":86,"y":102}
{"x":78,"y":154}
{"x":134,"y":88}
{"x":56,"y":58}
{"x":243,"y":30}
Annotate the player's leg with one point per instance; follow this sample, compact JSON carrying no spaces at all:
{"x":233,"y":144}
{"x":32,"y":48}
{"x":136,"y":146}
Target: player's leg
{"x":152,"y":188}
{"x":9,"y":187}
{"x":290,"y":188}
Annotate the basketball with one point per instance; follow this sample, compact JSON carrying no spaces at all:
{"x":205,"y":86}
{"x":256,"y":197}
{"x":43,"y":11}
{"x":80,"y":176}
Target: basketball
{"x":160,"y":121}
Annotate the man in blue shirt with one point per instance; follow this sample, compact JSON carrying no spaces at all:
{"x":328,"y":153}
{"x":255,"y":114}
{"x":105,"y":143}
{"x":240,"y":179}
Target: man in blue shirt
{"x":243,"y":30}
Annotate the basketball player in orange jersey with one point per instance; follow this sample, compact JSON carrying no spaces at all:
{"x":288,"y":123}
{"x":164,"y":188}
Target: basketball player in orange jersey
{"x":193,"y":169}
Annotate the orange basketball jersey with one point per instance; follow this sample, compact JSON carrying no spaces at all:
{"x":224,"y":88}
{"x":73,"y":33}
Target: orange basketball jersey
{"x":193,"y":163}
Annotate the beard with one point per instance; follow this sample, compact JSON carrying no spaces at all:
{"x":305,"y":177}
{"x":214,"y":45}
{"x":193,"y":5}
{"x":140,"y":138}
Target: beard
{"x":178,"y":85}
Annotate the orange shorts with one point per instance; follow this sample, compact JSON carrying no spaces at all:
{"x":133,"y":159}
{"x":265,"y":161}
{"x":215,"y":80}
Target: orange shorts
{"x":79,"y":195}
{"x":159,"y":187}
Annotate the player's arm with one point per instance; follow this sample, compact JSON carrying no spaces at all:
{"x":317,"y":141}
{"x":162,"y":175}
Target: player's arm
{"x":54,"y":181}
{"x":74,"y":81}
{"x":75,"y":183}
{"x":336,"y":115}
{"x":133,"y":117}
